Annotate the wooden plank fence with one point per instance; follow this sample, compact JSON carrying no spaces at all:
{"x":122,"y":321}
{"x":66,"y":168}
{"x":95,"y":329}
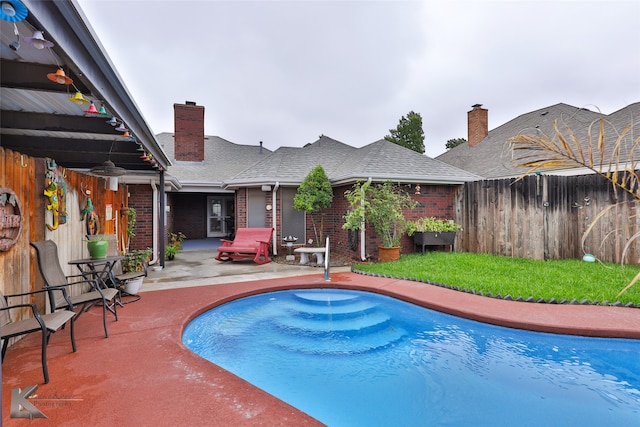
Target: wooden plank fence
{"x":545,"y":217}
{"x":25,"y":176}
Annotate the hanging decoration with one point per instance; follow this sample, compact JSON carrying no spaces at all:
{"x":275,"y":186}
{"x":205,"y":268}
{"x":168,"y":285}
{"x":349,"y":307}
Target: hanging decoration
{"x":13,"y":10}
{"x":10,"y":218}
{"x":55,"y":190}
{"x":38,"y":41}
{"x":60,"y":77}
{"x":79,"y":99}
{"x":90,"y":214}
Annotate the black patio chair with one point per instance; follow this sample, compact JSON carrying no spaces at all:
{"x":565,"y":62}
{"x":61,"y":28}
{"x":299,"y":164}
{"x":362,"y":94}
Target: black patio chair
{"x":91,"y":290}
{"x":45,"y":323}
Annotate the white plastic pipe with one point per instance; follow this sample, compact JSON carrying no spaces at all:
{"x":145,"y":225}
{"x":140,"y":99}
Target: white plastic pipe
{"x":274,"y":218}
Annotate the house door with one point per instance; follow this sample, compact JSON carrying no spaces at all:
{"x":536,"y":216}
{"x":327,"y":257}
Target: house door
{"x":220,"y":216}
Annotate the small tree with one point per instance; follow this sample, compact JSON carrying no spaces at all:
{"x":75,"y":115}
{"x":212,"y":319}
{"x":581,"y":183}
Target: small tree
{"x":454,"y":143}
{"x":409,"y":133}
{"x":314,"y":194}
{"x":382,"y":206}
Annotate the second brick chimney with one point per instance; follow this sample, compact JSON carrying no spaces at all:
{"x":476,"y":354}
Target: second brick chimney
{"x":189,"y":132}
{"x":477,"y":124}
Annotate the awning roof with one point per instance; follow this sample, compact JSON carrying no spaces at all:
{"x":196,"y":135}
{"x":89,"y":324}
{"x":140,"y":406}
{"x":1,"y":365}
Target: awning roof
{"x":37,"y":118}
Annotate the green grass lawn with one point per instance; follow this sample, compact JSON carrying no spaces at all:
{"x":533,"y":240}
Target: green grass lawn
{"x":563,"y":279}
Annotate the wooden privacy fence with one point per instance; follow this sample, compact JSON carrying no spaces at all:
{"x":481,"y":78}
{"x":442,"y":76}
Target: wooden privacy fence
{"x":545,"y":217}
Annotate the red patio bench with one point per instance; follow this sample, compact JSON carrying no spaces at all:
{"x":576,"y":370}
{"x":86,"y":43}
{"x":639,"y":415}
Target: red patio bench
{"x":248,"y":243}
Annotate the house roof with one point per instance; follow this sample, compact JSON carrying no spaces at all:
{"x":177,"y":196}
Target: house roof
{"x":381,"y":161}
{"x":492,"y":157}
{"x":222,"y":159}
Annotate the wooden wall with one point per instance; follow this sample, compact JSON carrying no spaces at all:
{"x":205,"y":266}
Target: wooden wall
{"x":545,"y":217}
{"x":26,"y":177}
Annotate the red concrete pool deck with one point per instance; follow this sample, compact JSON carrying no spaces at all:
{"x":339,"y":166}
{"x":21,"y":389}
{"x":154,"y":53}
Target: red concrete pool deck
{"x":142,"y":375}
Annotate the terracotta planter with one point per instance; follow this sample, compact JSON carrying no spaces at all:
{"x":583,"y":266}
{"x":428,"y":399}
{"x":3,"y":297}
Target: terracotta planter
{"x":388,"y":254}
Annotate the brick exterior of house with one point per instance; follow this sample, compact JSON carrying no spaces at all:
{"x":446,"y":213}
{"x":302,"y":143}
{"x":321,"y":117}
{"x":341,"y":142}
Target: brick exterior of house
{"x":141,"y":199}
{"x":433,"y":200}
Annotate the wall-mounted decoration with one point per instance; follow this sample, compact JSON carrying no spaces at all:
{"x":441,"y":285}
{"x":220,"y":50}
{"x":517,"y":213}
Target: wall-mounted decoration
{"x":90,"y":214}
{"x":10,"y":218}
{"x":55,"y":191}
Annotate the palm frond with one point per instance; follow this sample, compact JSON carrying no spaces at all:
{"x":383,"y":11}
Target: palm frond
{"x":545,"y":152}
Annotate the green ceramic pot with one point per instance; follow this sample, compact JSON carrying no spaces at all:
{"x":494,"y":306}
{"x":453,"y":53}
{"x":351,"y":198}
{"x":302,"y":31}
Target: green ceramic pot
{"x":98,"y":248}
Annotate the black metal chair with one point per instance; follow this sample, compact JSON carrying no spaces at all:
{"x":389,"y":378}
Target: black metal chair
{"x":91,"y":290}
{"x":44,"y":323}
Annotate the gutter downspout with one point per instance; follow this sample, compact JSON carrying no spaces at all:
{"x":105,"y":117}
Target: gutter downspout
{"x":155,"y":224}
{"x":274,"y":217}
{"x":363,"y":255}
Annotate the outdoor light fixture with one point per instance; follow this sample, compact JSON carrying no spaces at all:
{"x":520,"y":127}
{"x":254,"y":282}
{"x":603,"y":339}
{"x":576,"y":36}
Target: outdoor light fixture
{"x":59,"y":77}
{"x":92,"y":109}
{"x":126,"y":134}
{"x":38,"y":41}
{"x":112,"y":121}
{"x":79,"y":99}
{"x":103,"y":111}
{"x":121,"y":128}
{"x":12,"y":11}
{"x":108,"y":168}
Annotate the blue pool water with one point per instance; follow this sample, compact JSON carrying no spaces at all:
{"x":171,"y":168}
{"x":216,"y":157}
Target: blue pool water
{"x":351,"y":358}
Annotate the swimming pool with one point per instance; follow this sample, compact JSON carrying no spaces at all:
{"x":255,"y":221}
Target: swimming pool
{"x":351,"y":358}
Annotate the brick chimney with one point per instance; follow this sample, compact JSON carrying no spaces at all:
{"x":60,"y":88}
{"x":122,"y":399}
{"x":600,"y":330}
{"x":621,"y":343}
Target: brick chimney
{"x":189,"y":132}
{"x":477,"y":124}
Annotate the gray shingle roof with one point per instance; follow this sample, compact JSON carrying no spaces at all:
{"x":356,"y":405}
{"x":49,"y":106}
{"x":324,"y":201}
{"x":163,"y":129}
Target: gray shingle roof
{"x":381,"y":160}
{"x":492,"y":157}
{"x":222,"y":159}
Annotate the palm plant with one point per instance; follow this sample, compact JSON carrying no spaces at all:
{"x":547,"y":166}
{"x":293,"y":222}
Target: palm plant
{"x":614,"y":162}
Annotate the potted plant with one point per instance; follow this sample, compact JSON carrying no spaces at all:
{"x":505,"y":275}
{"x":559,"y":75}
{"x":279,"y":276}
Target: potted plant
{"x":133,"y":262}
{"x":175,"y":244}
{"x":98,"y":246}
{"x":382,"y":206}
{"x":429,"y":231}
{"x":171,"y":251}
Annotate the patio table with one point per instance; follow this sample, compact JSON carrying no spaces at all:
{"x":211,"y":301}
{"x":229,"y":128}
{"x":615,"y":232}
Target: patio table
{"x":100,"y":269}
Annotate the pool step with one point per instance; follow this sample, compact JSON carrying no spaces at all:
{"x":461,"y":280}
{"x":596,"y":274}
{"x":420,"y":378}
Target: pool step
{"x":333,"y":323}
{"x":338,"y":344}
{"x":330,"y":312}
{"x":353,"y":325}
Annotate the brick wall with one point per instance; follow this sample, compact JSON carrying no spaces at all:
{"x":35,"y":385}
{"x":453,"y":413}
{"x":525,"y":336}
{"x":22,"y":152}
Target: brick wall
{"x":433,"y":200}
{"x":189,"y":211}
{"x":241,"y":208}
{"x":189,"y":132}
{"x":141,"y":199}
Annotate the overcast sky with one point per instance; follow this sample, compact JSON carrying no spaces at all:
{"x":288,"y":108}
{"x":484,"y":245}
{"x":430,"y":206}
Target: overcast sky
{"x":286,"y":72}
